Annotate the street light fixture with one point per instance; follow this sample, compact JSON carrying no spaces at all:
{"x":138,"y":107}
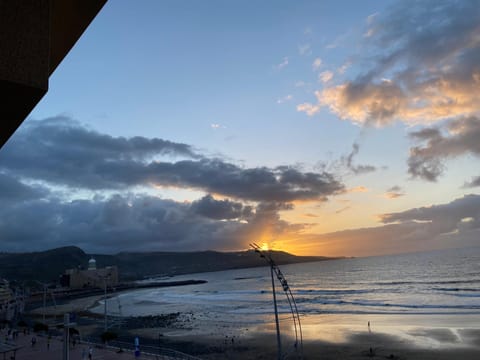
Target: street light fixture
{"x":105,"y":301}
{"x":291,"y":302}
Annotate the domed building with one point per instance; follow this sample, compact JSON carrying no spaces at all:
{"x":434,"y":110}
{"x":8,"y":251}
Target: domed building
{"x":92,"y":277}
{"x":92,"y":264}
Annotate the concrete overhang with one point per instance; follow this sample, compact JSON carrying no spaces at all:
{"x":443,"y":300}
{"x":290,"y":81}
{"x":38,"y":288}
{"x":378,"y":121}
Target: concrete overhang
{"x":35,"y":36}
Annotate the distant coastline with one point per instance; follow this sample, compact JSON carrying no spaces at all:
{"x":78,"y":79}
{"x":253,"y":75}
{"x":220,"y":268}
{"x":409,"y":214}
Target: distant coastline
{"x":47,"y":266}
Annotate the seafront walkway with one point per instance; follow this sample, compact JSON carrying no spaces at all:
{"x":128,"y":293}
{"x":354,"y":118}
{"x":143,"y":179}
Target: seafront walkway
{"x":41,"y":351}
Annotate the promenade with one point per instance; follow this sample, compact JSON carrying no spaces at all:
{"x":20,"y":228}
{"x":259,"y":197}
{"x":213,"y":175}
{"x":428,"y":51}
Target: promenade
{"x":40,"y":351}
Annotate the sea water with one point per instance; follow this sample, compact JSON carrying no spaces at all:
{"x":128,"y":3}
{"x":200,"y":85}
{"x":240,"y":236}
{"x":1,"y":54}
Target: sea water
{"x":440,"y":282}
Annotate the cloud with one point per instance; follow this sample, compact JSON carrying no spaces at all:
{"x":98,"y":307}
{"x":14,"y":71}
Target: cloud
{"x":369,"y":21}
{"x":442,"y":219}
{"x":429,"y":51}
{"x":357,"y":189}
{"x":221,"y":209}
{"x":216,"y":126}
{"x":284,"y":99}
{"x":137,"y":223}
{"x":342,"y":69}
{"x":475,"y":182}
{"x":452,"y":225}
{"x":13,"y":190}
{"x":364,"y":102}
{"x":325,"y":76}
{"x":371,"y":18}
{"x":283,"y":64}
{"x":308,"y":108}
{"x":458,"y":137}
{"x":394,"y":192}
{"x":317,"y":63}
{"x":339,"y":211}
{"x":65,"y":153}
{"x":347,"y":161}
{"x":304,"y":49}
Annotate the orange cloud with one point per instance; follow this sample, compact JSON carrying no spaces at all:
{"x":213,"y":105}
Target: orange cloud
{"x":358,"y":189}
{"x":431,"y":65}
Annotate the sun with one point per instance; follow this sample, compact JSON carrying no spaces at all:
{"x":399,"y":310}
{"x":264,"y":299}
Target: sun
{"x":264,"y":247}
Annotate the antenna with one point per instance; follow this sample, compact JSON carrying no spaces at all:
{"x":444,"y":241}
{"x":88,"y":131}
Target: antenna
{"x":291,"y":301}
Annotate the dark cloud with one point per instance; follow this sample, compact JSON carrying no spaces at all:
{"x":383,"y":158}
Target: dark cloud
{"x":459,"y":137}
{"x":345,"y":208}
{"x":452,"y":225}
{"x":425,"y":66}
{"x":347,"y":161}
{"x":221,"y":209}
{"x":59,"y":151}
{"x":138,"y":223}
{"x":65,"y":153}
{"x":394,"y":188}
{"x":387,"y":239}
{"x":310,"y":215}
{"x":426,"y":134}
{"x":473,"y":183}
{"x":283,"y":184}
{"x":13,"y":190}
{"x":444,"y":218}
{"x":394,"y":192}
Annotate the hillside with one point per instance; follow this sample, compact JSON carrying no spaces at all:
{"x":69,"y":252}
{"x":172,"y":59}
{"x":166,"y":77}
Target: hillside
{"x":48,"y":265}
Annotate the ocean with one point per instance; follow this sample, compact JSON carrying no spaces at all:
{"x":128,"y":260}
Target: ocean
{"x":439,"y":282}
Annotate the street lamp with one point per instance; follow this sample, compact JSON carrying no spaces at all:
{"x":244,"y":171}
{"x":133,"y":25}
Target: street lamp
{"x":291,"y":301}
{"x":105,"y":301}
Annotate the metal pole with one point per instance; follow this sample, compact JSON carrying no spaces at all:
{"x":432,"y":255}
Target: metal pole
{"x":105,"y":304}
{"x":279,"y":343}
{"x":44,"y":300}
{"x":66,"y":336}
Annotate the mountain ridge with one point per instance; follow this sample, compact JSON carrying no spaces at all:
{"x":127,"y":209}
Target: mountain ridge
{"x":48,"y":265}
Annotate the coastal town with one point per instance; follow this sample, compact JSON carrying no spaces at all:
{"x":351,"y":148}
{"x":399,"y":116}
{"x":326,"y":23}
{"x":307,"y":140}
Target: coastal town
{"x":37,"y":321}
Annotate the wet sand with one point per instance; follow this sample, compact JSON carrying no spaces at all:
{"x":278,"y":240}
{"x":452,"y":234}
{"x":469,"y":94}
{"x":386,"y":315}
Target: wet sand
{"x":328,"y":337}
{"x":325,"y":336}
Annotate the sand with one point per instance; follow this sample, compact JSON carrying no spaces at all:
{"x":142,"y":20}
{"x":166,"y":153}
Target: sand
{"x":327,"y":336}
{"x":74,"y":305}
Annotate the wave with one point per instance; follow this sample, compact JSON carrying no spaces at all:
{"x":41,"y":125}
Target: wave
{"x":416,"y":282}
{"x":457,"y":289}
{"x":335,"y":291}
{"x":464,"y":295}
{"x":392,"y":312}
{"x":146,"y":302}
{"x":323,"y":301}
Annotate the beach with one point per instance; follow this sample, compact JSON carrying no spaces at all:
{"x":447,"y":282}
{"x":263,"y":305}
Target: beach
{"x":327,"y":336}
{"x":349,"y":309}
{"x":332,"y":337}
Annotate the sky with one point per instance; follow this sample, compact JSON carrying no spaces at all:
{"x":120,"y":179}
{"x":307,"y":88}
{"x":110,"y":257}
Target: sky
{"x":334,"y":128}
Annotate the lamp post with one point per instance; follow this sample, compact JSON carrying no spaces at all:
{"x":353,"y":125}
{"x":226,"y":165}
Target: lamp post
{"x":279,"y":341}
{"x":105,"y":327}
{"x":291,"y":301}
{"x":44,"y":310}
{"x":44,"y":301}
{"x":66,"y":336}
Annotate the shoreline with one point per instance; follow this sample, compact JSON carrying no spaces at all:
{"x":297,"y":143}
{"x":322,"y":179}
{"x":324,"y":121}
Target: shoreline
{"x":326,"y":336}
{"x":66,"y":295}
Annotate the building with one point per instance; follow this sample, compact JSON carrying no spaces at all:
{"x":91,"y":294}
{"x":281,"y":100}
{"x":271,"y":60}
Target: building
{"x":11,"y":304}
{"x":90,"y":278}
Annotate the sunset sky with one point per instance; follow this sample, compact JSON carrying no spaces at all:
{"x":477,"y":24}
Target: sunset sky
{"x":317,"y":127}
